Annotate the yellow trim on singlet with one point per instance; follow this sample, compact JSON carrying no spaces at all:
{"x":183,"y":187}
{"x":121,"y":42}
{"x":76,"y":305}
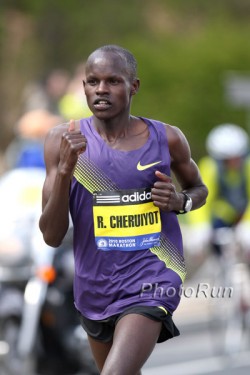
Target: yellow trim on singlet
{"x":163,"y":309}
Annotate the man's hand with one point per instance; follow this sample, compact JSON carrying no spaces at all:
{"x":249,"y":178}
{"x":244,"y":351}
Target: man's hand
{"x":72,"y":145}
{"x":72,"y":126}
{"x":164,"y":194}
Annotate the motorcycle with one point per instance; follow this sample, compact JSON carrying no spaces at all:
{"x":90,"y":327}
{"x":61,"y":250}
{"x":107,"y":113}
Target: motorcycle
{"x":14,"y":275}
{"x":50,"y":330}
{"x":40,"y":333}
{"x":20,"y":192}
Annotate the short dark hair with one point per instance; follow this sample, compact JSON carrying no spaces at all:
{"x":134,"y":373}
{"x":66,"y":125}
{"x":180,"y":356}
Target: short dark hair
{"x":124,"y":54}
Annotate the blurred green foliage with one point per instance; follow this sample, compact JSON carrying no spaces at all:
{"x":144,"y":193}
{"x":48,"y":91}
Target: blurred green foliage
{"x":183,"y":48}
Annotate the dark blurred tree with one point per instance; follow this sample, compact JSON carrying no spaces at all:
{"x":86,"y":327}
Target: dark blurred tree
{"x":183,"y":49}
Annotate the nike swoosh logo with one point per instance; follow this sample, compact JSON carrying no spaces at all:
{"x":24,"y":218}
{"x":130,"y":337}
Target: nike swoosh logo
{"x":146,"y":166}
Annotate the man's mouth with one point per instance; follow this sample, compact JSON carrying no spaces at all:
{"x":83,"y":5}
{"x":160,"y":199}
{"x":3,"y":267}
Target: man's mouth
{"x":102,"y":104}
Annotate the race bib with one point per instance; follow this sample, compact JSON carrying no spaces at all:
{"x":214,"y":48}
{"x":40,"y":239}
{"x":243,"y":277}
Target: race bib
{"x":126,"y":220}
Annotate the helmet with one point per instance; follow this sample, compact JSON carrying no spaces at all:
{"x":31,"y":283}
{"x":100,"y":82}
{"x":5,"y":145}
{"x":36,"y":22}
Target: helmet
{"x":227,"y":141}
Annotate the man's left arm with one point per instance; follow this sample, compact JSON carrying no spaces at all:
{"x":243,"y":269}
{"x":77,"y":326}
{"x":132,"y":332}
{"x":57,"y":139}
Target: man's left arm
{"x":164,"y":192}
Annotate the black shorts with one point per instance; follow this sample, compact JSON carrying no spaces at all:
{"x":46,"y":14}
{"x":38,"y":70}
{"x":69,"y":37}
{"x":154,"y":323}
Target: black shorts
{"x":103,"y":330}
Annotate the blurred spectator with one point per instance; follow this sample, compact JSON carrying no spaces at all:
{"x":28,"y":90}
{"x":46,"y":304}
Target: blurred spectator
{"x":226,"y":173}
{"x":46,"y":96}
{"x":73,"y":104}
{"x":26,"y":150}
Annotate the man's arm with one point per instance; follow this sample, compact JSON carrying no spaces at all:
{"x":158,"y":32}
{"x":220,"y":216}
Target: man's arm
{"x":164,"y":192}
{"x":61,"y":150}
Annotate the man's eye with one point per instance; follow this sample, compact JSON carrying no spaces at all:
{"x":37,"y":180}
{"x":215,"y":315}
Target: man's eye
{"x":91,"y":82}
{"x":114,"y":81}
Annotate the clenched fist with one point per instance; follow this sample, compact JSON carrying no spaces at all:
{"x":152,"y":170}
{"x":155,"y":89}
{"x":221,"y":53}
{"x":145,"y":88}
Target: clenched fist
{"x":73,"y":144}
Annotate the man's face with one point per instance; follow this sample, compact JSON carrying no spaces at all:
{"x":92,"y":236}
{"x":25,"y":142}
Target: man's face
{"x":108,"y":85}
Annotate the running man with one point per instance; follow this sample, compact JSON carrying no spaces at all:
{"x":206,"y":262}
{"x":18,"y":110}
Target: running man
{"x":111,"y":171}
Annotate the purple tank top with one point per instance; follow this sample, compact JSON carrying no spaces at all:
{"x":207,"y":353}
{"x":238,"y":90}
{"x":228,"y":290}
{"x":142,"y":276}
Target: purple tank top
{"x":127,"y":252}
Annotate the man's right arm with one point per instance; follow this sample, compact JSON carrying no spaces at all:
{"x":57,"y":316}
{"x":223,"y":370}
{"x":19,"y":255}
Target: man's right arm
{"x":61,"y":150}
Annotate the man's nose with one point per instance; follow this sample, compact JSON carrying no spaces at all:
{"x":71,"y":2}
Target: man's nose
{"x":102,"y":87}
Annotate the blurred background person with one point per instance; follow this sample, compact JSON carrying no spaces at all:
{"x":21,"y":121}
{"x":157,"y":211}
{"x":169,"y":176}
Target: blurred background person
{"x":23,"y":178}
{"x":73,"y":103}
{"x":26,"y":149}
{"x":226,"y":172}
{"x":46,"y":94}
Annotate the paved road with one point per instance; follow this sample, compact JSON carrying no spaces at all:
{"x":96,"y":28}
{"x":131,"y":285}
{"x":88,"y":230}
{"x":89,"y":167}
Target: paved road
{"x":199,"y":348}
{"x":193,"y":353}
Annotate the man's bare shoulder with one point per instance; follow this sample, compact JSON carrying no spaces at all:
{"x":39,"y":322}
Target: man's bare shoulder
{"x":174,"y":134}
{"x":59,"y":130}
{"x":177,"y":142}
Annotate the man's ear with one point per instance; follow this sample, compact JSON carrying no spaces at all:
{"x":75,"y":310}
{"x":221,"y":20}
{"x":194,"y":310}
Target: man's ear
{"x":135,"y":86}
